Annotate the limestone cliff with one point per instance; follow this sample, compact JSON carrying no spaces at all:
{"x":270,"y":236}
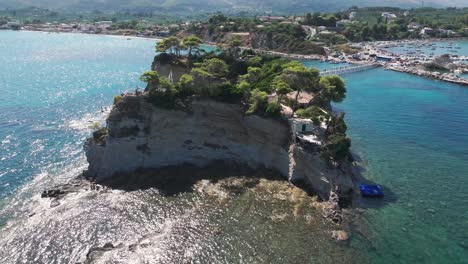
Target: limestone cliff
{"x":141,"y":136}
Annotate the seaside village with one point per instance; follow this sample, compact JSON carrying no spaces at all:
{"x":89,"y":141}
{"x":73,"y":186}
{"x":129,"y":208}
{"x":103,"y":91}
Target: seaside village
{"x":417,"y":56}
{"x":150,"y":29}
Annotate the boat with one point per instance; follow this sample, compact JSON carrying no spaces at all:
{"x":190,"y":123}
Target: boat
{"x":371,"y":190}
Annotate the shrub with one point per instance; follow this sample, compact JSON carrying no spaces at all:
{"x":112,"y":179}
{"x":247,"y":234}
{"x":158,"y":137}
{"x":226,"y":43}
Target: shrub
{"x":273,"y":109}
{"x":100,"y":134}
{"x":117,"y":99}
{"x":259,"y":101}
{"x":338,"y":146}
{"x":229,"y":92}
{"x":185,"y":85}
{"x":314,"y":113}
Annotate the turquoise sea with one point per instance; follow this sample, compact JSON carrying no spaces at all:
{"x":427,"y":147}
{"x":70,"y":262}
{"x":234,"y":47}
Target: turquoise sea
{"x":411,"y":133}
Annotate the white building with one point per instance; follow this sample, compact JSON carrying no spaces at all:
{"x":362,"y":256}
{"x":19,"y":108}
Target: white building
{"x":302,"y":125}
{"x":414,"y":25}
{"x":390,"y":17}
{"x":427,"y":31}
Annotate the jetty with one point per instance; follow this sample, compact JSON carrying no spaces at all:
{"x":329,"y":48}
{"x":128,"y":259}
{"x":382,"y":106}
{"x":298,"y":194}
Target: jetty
{"x":349,"y":69}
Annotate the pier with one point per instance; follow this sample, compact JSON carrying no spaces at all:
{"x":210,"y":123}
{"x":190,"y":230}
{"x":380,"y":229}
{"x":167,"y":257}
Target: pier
{"x":349,"y":69}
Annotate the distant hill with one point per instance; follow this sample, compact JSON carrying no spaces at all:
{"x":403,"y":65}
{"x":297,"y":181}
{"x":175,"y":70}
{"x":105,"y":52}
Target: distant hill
{"x":197,"y":6}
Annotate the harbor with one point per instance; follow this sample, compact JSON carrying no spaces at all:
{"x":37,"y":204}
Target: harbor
{"x":417,"y":57}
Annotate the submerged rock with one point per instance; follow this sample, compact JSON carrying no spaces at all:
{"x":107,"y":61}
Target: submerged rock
{"x":340,"y":235}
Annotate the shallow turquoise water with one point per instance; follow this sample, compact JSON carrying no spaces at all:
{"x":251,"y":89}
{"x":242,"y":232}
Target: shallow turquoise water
{"x":411,"y":132}
{"x":53,"y":86}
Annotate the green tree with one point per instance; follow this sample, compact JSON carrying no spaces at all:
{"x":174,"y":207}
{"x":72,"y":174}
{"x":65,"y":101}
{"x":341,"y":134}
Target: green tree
{"x":171,"y":44}
{"x":152,"y":78}
{"x":185,"y":84}
{"x":300,"y":78}
{"x":253,"y":75}
{"x":281,"y":88}
{"x":333,"y":88}
{"x":216,"y":67}
{"x":234,"y":45}
{"x":192,"y":43}
{"x":258,"y":101}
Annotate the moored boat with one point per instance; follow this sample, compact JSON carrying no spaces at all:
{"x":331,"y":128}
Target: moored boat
{"x":371,"y":190}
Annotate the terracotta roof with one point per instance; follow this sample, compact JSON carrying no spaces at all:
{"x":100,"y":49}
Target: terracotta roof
{"x":304,"y":97}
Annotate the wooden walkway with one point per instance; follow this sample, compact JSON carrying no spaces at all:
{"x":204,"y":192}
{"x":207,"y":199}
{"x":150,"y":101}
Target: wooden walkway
{"x":348,"y":69}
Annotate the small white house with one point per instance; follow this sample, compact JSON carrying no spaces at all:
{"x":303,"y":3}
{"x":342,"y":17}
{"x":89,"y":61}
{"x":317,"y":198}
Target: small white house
{"x":427,"y":31}
{"x":302,"y":125}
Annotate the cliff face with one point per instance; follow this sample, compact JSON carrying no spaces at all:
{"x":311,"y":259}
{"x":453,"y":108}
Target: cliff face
{"x":143,"y":136}
{"x":284,"y":43}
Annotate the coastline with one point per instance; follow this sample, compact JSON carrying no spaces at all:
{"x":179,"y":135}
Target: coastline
{"x":314,"y":57}
{"x":97,"y":34}
{"x":396,"y":224}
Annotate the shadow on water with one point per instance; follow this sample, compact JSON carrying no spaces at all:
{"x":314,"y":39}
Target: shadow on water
{"x":370,"y":202}
{"x":174,"y":180}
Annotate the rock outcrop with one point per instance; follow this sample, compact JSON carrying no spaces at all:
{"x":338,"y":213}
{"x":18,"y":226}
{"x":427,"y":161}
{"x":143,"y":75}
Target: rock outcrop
{"x":141,"y":136}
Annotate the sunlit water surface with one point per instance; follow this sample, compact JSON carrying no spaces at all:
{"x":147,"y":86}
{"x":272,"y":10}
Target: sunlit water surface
{"x":54,"y":86}
{"x":411,"y":133}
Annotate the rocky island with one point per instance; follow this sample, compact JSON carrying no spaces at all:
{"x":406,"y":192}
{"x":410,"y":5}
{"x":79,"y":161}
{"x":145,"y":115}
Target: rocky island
{"x":230,"y":106}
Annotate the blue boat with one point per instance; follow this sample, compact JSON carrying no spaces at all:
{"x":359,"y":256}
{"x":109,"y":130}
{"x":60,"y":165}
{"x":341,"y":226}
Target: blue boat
{"x":371,"y":190}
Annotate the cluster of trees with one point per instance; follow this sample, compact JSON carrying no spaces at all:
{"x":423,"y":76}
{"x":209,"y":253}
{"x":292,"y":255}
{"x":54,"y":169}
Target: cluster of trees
{"x":4,"y":20}
{"x":262,"y":82}
{"x":219,"y":24}
{"x":372,"y":26}
{"x":318,"y":19}
{"x":283,"y":37}
{"x":364,"y":32}
{"x":174,"y":46}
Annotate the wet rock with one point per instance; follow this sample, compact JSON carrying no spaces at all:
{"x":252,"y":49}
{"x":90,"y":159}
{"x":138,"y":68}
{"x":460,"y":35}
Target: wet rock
{"x":54,"y":203}
{"x":132,"y":247}
{"x":333,"y":210}
{"x":95,"y":253}
{"x":108,"y":245}
{"x":340,"y":235}
{"x":51,"y":193}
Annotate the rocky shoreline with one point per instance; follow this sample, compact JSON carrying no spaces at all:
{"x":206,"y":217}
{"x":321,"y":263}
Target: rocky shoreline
{"x":431,"y":75}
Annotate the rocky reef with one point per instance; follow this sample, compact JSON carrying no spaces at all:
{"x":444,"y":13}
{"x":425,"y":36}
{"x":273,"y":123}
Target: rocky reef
{"x":141,"y":135}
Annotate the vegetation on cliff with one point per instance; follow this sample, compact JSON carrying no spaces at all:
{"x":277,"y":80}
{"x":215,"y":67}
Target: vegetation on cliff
{"x":267,"y":86}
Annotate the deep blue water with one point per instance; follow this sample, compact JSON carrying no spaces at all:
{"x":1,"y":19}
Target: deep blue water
{"x":411,"y":132}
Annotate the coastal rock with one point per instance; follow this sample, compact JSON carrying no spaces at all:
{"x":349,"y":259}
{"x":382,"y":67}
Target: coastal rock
{"x":340,"y":235}
{"x":142,"y":136}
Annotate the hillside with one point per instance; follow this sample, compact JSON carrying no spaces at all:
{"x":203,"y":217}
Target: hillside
{"x":190,"y":6}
